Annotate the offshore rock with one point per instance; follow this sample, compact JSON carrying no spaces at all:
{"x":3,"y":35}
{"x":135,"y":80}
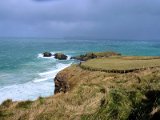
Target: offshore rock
{"x":60,"y":56}
{"x":47,"y":54}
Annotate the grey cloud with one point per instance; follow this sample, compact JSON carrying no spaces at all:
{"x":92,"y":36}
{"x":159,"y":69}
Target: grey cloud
{"x":119,"y":19}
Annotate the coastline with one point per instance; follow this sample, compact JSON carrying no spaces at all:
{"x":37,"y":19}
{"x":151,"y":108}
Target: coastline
{"x":85,"y":93}
{"x":40,"y":85}
{"x":61,"y":81}
{"x":21,"y":63}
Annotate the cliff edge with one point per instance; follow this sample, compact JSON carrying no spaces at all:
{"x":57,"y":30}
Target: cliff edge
{"x":90,"y":93}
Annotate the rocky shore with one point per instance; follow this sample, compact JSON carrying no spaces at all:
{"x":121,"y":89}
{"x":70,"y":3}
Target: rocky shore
{"x":94,"y":55}
{"x":61,"y":81}
{"x":94,"y":94}
{"x":85,"y":57}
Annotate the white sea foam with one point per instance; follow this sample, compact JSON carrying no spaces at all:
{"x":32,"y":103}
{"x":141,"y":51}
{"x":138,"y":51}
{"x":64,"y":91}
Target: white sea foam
{"x":40,"y":55}
{"x":50,"y":74}
{"x":3,"y":75}
{"x":27,"y":91}
{"x":68,"y":57}
{"x":41,"y":86}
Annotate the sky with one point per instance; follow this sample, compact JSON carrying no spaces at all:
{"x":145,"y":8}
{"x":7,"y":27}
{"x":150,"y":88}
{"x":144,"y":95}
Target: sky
{"x":111,"y":19}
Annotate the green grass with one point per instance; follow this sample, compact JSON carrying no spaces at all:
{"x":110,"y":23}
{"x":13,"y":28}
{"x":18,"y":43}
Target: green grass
{"x":24,"y":104}
{"x":41,"y":100}
{"x":120,"y":64}
{"x":106,"y":54}
{"x":5,"y":113}
{"x":139,"y":57}
{"x":7,"y":103}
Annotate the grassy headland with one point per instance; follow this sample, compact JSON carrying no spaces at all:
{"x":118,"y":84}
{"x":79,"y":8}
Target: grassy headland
{"x":94,"y":94}
{"x":121,"y":64}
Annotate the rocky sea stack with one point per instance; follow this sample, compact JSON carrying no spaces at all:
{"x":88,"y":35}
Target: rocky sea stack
{"x":60,"y":56}
{"x":47,"y":54}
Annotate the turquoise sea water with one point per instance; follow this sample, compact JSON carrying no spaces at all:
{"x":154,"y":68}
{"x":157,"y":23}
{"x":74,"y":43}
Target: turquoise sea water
{"x":25,"y":74}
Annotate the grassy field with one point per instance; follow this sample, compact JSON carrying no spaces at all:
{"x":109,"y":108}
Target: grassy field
{"x":121,"y":64}
{"x":95,"y":95}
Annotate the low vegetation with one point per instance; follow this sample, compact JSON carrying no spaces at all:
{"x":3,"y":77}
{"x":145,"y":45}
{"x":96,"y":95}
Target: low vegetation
{"x":24,"y":104}
{"x":98,"y":95}
{"x":7,"y":103}
{"x":121,"y":64}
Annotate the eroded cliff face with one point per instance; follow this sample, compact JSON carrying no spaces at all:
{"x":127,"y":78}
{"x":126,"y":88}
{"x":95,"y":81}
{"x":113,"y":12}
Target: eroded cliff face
{"x":61,"y":83}
{"x":66,"y":79}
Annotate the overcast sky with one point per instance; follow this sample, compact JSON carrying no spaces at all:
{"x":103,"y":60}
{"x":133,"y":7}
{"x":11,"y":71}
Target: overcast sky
{"x":111,"y":19}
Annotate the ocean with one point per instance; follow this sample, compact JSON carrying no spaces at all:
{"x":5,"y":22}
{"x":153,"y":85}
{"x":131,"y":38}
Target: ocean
{"x":25,"y":74}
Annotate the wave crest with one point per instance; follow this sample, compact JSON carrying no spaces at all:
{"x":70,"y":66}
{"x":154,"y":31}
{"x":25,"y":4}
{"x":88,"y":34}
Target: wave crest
{"x":51,"y":74}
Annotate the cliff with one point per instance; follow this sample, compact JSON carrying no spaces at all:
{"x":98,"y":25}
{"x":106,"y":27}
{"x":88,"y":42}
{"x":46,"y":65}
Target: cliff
{"x":89,"y":94}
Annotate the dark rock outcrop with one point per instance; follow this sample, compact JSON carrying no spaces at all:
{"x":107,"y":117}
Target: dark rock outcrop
{"x":61,"y":84}
{"x":93,"y":55}
{"x":85,"y":57}
{"x":47,"y":54}
{"x":60,"y":56}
